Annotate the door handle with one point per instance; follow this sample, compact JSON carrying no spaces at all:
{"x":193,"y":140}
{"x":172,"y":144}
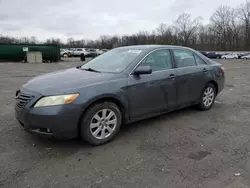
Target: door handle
{"x":171,"y":76}
{"x":204,"y":70}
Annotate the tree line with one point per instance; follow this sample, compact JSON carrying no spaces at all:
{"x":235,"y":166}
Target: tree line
{"x":228,"y":30}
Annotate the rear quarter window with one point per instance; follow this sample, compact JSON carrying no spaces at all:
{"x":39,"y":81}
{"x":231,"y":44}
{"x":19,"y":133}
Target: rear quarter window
{"x":199,"y":60}
{"x":184,"y":58}
{"x":205,"y":58}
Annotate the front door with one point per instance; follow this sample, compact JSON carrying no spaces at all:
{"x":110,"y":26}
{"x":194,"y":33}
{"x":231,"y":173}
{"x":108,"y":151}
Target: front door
{"x":154,"y":92}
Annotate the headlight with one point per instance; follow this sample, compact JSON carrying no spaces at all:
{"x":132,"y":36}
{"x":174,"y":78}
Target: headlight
{"x":56,"y":100}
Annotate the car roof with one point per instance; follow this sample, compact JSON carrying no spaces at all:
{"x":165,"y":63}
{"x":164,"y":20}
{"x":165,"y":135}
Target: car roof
{"x":152,"y":47}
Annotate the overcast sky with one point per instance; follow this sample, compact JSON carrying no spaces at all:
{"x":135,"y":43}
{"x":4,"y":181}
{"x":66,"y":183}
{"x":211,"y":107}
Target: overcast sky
{"x":89,"y":19}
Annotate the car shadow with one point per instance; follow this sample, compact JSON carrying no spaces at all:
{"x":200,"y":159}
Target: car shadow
{"x":69,"y":147}
{"x":153,"y":120}
{"x":57,"y":148}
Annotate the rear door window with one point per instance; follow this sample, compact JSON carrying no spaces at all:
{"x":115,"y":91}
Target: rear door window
{"x":184,"y":58}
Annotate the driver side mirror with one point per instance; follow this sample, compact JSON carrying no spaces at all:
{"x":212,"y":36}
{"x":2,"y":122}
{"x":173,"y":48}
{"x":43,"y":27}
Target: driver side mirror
{"x":143,"y":70}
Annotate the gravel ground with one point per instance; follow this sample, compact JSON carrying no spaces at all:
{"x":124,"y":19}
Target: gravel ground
{"x":187,"y":148}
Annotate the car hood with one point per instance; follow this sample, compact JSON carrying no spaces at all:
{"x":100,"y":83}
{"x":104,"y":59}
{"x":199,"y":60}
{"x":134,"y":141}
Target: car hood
{"x":65,"y":81}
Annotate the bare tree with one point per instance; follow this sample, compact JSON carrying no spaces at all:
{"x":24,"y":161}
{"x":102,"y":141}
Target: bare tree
{"x":161,"y":30}
{"x":164,"y":34}
{"x":33,"y":40}
{"x":244,"y":12}
{"x":234,"y":29}
{"x":229,"y":29}
{"x":220,"y":21}
{"x":186,"y":27}
{"x":70,"y":42}
{"x":24,"y":40}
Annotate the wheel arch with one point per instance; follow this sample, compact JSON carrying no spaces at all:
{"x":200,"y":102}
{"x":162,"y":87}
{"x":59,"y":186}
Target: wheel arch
{"x":215,"y":85}
{"x":107,"y":98}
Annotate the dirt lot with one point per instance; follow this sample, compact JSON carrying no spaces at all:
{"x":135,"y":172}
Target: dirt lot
{"x":187,"y":148}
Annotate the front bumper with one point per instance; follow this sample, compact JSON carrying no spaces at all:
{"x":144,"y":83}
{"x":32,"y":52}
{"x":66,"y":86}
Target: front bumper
{"x":59,"y":121}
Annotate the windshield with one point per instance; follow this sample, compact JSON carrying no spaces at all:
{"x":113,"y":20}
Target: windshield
{"x":114,"y":61}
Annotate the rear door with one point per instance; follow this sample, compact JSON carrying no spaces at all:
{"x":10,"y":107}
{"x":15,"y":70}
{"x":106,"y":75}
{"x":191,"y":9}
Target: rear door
{"x":154,"y":92}
{"x":191,"y":76}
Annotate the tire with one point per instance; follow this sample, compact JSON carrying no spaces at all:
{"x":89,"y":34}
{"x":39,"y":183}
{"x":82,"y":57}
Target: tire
{"x":202,"y":103}
{"x":224,"y":58}
{"x":90,"y":117}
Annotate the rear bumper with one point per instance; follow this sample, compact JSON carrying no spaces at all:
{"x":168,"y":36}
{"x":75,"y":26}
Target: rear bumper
{"x":60,"y":122}
{"x":221,"y":83}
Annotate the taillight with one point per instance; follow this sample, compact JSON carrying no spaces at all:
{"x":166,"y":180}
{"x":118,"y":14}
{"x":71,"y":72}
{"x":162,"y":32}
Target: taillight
{"x":222,"y":69}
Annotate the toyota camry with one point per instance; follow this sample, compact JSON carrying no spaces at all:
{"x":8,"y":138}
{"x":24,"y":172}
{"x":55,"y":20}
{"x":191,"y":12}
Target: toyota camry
{"x":123,"y":85}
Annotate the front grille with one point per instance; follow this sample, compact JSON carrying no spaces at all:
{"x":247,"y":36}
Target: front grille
{"x":23,"y":99}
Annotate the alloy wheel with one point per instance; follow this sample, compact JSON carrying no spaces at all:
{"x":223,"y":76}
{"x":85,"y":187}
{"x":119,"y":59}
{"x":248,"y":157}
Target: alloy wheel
{"x":103,"y":124}
{"x":208,"y":96}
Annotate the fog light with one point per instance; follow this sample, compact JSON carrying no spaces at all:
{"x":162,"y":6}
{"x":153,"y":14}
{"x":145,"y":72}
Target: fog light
{"x":45,"y":130}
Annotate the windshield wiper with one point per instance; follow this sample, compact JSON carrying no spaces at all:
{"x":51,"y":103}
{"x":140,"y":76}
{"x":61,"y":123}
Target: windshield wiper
{"x":90,"y":69}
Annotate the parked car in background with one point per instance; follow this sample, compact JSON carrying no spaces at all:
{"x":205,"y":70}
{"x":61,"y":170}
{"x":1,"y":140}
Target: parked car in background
{"x":69,"y":52}
{"x":230,"y":56}
{"x":64,"y":52}
{"x":77,"y":52}
{"x":211,"y":55}
{"x":241,"y":54}
{"x":91,"y":53}
{"x":124,"y":85}
{"x":102,"y":51}
{"x":203,"y":53}
{"x":245,"y":56}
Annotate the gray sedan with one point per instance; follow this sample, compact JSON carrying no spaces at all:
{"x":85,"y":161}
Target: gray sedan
{"x":123,"y":85}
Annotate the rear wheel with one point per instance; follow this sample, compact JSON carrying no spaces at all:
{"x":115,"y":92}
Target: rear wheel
{"x":208,"y":97}
{"x":101,"y":123}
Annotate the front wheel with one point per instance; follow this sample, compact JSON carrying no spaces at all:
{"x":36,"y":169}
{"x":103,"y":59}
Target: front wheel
{"x":208,"y":97}
{"x":101,"y":123}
